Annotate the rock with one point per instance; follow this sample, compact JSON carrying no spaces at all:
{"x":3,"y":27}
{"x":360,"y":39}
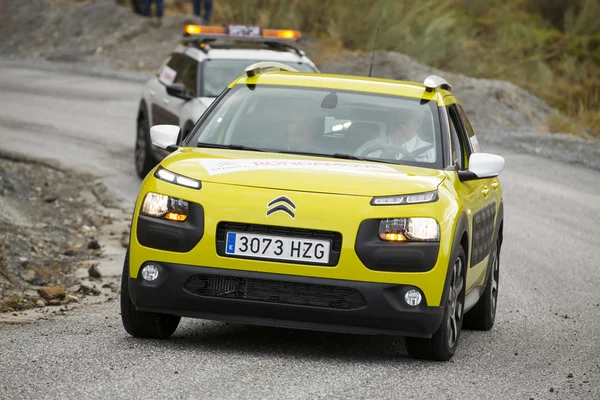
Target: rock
{"x":570,"y":375}
{"x":51,"y":293}
{"x":93,"y":244}
{"x":84,"y":289}
{"x":10,"y":303}
{"x":28,"y":275}
{"x":24,"y":261}
{"x":94,"y":272}
{"x":69,"y":252}
{"x":49,"y":199}
{"x":72,"y":299}
{"x":40,"y":303}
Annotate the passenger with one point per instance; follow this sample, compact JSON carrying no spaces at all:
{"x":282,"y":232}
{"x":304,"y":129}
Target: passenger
{"x":303,"y":134}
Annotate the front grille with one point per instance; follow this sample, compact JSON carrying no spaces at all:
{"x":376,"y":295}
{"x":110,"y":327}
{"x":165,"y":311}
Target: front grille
{"x":272,"y":291}
{"x":335,"y":237}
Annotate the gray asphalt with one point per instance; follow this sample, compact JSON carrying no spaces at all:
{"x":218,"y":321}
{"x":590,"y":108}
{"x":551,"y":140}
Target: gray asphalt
{"x":547,"y":324}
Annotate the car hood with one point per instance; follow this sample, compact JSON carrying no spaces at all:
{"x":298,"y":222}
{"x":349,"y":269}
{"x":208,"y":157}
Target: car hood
{"x":301,"y":173}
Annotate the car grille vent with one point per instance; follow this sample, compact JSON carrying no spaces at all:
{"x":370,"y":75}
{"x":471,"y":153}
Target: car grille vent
{"x":335,"y":237}
{"x":273,"y":291}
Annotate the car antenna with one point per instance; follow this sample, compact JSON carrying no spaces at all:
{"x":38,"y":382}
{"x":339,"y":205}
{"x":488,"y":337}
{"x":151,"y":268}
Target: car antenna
{"x":373,"y":57}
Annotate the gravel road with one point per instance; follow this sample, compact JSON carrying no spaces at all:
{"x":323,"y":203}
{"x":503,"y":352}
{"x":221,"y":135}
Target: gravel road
{"x":543,"y":346}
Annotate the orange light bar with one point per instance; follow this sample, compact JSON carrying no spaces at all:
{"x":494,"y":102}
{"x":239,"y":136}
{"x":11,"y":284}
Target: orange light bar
{"x":282,"y":33}
{"x":197,"y":29}
{"x":175,"y":217}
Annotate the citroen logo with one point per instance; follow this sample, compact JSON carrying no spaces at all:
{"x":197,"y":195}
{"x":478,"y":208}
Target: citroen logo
{"x":283,"y":204}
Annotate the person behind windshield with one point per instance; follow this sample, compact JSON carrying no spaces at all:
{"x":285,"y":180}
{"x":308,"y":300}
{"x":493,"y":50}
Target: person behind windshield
{"x":303,"y":134}
{"x":403,"y":142}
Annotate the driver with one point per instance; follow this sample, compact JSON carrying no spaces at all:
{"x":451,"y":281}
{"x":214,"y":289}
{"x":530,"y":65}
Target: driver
{"x":403,"y":142}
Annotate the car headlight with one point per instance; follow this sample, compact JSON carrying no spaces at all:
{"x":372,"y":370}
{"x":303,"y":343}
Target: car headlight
{"x":161,"y":206}
{"x":409,"y":230}
{"x":417,"y":198}
{"x":166,"y":175}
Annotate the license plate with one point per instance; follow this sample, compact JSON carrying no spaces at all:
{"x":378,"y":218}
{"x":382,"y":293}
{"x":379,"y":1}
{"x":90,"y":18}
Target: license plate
{"x":277,"y":247}
{"x":244,"y":30}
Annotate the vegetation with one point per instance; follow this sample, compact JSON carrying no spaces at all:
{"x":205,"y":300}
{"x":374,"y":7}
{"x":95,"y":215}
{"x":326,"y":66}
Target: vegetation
{"x":549,"y":47}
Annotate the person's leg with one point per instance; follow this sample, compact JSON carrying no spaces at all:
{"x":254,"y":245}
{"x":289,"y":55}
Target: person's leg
{"x":147,"y":5}
{"x":196,"y":4}
{"x":160,"y":5}
{"x":207,"y":11}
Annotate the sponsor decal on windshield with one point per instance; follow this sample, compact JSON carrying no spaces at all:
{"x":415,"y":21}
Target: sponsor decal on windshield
{"x":215,"y":167}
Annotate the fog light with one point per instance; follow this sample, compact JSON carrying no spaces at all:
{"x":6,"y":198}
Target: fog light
{"x":413,"y":297}
{"x":150,"y":272}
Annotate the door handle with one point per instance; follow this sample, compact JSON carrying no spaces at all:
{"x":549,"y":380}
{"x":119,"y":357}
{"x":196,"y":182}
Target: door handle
{"x":485,"y":192}
{"x":495,"y":185}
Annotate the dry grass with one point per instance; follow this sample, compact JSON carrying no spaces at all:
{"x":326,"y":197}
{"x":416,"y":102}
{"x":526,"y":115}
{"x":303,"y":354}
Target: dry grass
{"x":550,"y":47}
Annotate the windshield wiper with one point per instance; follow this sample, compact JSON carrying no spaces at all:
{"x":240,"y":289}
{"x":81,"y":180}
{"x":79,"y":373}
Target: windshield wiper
{"x":348,"y":156}
{"x":228,"y":146}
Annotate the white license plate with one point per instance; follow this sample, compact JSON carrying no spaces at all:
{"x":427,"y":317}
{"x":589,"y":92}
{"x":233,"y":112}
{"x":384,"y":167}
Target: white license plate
{"x":277,"y":247}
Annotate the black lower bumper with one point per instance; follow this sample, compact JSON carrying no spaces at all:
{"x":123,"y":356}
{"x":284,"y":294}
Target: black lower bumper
{"x":284,"y":301}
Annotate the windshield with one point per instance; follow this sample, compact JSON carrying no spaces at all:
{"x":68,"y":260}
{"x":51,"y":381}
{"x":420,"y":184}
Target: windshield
{"x":322,"y":122}
{"x":217,"y":74}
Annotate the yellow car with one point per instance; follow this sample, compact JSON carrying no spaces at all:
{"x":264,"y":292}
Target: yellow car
{"x":322,"y":202}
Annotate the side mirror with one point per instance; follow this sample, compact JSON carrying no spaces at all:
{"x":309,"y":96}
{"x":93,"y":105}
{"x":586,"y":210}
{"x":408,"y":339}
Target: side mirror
{"x":164,"y":136}
{"x":178,"y":90}
{"x":481,"y":166}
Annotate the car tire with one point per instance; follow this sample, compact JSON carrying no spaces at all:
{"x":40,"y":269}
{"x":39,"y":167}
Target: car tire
{"x":482,"y":316}
{"x":144,"y":159}
{"x":143,"y":324}
{"x":444,"y":342}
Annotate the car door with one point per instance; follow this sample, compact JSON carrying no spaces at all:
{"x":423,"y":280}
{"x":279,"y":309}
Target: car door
{"x":163,"y":105}
{"x":485,"y":218}
{"x":476,"y":201}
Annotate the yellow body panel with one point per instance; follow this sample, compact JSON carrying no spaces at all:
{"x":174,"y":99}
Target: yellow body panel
{"x":325,"y":211}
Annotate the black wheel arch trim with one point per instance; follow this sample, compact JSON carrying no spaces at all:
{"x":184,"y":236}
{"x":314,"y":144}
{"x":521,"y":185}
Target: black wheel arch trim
{"x":143,"y":109}
{"x":462,"y":228}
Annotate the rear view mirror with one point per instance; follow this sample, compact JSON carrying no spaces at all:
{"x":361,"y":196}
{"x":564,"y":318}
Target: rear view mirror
{"x":164,"y":136}
{"x":178,"y":90}
{"x":481,"y":166}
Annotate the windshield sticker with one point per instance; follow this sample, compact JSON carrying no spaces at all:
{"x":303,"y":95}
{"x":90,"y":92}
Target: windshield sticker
{"x":215,"y":167}
{"x":167,"y":76}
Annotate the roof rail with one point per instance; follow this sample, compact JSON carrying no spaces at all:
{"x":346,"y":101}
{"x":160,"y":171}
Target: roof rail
{"x":255,"y":69}
{"x":434,"y":81}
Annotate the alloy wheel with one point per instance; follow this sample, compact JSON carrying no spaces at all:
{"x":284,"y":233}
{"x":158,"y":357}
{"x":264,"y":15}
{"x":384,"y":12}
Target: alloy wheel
{"x":455,"y":302}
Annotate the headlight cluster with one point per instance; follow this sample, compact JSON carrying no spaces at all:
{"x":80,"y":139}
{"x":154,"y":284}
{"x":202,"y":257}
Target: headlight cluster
{"x":417,"y":198}
{"x":161,"y":206}
{"x":166,"y":175}
{"x":409,"y":230}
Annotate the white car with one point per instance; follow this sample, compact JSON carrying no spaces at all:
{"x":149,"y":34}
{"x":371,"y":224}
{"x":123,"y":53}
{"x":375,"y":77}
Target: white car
{"x":207,"y":60}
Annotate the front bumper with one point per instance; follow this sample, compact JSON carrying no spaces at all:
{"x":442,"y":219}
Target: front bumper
{"x":284,"y":301}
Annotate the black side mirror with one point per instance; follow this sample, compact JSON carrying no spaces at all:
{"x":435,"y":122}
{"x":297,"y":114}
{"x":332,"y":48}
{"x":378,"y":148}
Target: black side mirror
{"x":178,"y":90}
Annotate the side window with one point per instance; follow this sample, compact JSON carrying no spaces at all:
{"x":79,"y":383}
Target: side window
{"x":168,"y":72}
{"x":188,"y":76}
{"x":459,"y":152}
{"x":469,"y":129}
